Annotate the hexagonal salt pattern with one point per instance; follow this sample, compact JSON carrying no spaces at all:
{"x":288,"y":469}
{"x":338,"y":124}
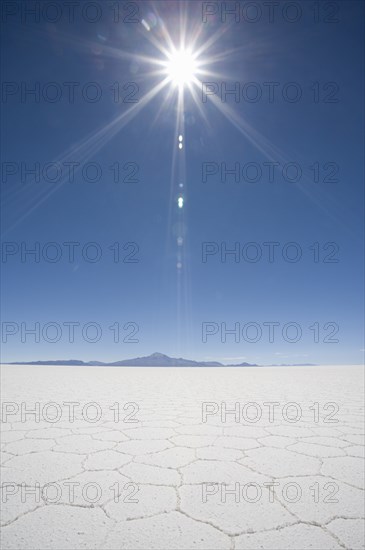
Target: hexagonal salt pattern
{"x":161,"y":475}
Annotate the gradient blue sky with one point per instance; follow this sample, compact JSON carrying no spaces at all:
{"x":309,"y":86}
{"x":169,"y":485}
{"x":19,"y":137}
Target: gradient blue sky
{"x":169,"y":305}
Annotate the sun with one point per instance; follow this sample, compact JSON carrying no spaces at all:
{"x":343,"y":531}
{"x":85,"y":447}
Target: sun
{"x":181,"y":68}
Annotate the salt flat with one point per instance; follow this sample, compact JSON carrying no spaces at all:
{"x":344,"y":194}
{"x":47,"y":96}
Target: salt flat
{"x":182,"y":458}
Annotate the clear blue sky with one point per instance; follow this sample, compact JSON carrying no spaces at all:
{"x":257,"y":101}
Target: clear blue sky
{"x":322,"y":130}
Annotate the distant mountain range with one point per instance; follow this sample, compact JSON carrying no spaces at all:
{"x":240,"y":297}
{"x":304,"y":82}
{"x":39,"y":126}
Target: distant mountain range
{"x":154,"y":360}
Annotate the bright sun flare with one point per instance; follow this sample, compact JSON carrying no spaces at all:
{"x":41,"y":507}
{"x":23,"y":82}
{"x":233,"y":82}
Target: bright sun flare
{"x":181,"y":68}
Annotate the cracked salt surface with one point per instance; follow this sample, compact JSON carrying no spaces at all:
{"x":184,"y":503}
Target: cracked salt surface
{"x":170,"y":480}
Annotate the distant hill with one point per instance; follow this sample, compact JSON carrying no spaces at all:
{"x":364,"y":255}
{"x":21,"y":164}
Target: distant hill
{"x":154,"y":360}
{"x":161,"y":360}
{"x":243,"y":365}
